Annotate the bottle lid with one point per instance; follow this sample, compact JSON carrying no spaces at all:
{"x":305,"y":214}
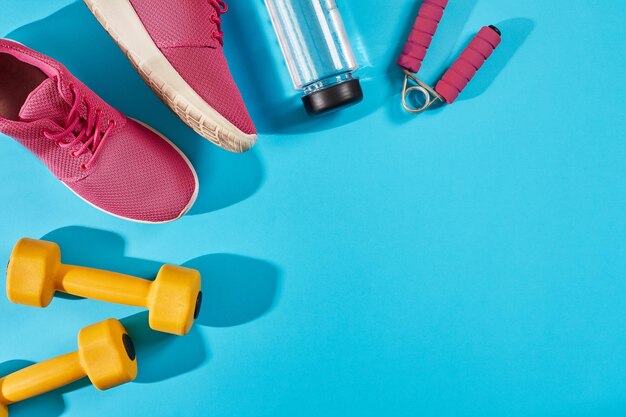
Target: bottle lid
{"x":333,"y":98}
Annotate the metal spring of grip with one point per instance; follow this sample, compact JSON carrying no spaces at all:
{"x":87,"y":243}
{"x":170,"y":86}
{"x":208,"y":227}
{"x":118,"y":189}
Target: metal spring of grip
{"x":427,"y":92}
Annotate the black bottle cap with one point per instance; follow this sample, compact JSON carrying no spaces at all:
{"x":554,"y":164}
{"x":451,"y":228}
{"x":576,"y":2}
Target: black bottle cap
{"x":333,"y":98}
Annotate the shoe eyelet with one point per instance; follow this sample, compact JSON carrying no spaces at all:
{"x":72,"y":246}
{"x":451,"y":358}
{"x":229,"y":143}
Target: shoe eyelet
{"x":83,"y":167}
{"x":112,"y":123}
{"x":73,"y":154}
{"x":44,"y":132}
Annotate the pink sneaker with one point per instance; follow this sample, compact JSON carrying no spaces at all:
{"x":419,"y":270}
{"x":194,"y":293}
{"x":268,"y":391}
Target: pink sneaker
{"x":176,"y":45}
{"x":115,"y":164}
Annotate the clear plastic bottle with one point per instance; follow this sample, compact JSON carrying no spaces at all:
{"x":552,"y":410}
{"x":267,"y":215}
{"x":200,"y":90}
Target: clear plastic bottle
{"x":314,"y":42}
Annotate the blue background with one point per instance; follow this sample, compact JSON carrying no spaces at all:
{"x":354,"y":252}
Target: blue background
{"x":470,"y":261}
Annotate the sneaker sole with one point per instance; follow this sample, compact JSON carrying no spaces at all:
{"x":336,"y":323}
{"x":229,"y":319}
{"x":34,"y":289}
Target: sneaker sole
{"x":189,"y":205}
{"x":120,"y":20}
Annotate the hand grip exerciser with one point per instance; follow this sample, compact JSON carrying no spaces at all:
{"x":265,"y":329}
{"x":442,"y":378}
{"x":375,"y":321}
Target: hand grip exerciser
{"x":106,"y":355}
{"x":35,"y":273}
{"x":460,"y":73}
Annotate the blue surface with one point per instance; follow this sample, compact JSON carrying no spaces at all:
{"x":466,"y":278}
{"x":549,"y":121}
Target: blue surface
{"x":467,"y":262}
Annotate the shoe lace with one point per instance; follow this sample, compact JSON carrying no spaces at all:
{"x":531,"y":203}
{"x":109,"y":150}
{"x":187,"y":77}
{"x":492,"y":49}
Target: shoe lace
{"x":220,"y":7}
{"x":90,"y":135}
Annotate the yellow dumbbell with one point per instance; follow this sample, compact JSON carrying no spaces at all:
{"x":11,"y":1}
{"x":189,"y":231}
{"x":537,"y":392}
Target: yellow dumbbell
{"x":35,"y":273}
{"x":106,"y":355}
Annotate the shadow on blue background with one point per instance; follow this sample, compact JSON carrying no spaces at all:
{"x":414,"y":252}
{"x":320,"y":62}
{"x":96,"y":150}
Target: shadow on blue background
{"x":236,"y":289}
{"x":155,"y":349}
{"x":74,"y":37}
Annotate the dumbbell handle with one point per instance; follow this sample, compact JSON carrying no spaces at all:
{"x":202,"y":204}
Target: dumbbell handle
{"x":40,"y":378}
{"x":103,"y":285}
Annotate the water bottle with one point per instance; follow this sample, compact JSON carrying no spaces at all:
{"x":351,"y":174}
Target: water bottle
{"x":314,"y":42}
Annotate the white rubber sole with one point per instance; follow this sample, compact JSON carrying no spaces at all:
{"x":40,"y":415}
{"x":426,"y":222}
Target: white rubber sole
{"x":182,"y":213}
{"x":119,"y":19}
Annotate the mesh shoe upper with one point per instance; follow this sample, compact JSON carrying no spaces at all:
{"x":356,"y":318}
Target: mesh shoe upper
{"x":150,"y":184}
{"x":135,"y":174}
{"x":185,"y":33}
{"x":213,"y":83}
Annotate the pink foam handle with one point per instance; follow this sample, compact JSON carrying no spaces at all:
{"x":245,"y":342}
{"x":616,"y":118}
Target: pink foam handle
{"x":466,"y":69}
{"x":421,"y":36}
{"x":469,"y":62}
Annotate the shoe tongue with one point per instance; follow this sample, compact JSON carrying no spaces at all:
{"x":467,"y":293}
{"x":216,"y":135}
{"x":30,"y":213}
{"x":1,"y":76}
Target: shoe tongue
{"x":45,"y":102}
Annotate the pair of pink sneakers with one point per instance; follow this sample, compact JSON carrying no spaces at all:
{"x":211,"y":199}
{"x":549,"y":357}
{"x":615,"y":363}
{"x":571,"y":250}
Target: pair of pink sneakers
{"x":117,"y":164}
